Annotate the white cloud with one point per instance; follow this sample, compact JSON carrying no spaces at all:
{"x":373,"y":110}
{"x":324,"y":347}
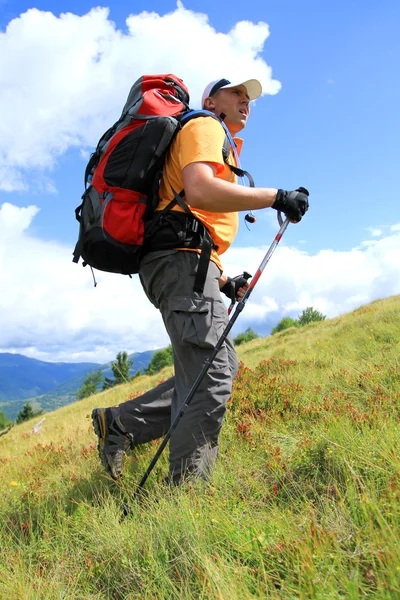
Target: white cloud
{"x":14,"y":220}
{"x":65,"y":79}
{"x":50,"y":310}
{"x":332,"y":282}
{"x":395,"y":228}
{"x":374,"y":231}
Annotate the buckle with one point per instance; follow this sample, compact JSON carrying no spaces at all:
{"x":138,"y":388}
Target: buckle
{"x":194,"y":225}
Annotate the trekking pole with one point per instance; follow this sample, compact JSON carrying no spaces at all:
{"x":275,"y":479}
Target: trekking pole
{"x":240,"y":306}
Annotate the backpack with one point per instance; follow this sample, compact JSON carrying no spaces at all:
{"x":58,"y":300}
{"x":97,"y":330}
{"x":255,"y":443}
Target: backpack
{"x":122,"y":179}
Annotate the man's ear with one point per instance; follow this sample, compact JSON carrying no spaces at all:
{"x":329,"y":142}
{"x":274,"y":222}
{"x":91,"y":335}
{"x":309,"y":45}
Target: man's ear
{"x":209,"y":103}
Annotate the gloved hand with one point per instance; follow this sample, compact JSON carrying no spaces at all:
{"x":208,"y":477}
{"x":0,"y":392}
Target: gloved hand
{"x":233,"y":285}
{"x":292,"y":204}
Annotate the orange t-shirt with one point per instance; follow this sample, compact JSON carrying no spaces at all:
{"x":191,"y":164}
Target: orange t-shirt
{"x":202,"y":140}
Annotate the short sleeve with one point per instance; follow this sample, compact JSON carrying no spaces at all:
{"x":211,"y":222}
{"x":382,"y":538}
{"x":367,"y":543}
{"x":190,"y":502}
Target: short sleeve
{"x":202,"y":140}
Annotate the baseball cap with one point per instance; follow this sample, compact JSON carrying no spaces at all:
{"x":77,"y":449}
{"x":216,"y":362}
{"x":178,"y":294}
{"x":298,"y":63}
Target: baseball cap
{"x":253,"y":87}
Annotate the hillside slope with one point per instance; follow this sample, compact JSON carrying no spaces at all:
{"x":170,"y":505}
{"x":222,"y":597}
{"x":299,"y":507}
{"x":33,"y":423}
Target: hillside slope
{"x":305,"y":500}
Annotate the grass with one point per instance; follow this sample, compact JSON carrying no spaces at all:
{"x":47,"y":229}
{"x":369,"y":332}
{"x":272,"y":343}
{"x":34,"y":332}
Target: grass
{"x":304,"y":503}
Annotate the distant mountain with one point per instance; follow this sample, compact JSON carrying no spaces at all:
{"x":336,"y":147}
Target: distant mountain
{"x":22,"y":377}
{"x":48,"y":385}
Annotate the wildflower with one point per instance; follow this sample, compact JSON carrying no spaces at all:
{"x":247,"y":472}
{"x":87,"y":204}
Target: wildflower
{"x":13,"y":483}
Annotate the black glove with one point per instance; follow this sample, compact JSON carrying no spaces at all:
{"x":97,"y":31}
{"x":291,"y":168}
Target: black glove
{"x":233,"y":284}
{"x":292,"y":204}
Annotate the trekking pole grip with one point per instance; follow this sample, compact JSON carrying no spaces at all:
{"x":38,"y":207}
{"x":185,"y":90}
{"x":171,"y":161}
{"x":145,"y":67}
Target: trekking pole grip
{"x":303,"y":190}
{"x":245,"y":277}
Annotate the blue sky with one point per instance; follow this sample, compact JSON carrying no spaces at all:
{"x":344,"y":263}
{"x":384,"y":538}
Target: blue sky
{"x":332,"y":127}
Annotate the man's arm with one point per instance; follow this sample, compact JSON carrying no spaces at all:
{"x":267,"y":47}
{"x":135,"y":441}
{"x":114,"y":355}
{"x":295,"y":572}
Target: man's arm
{"x":222,"y":280}
{"x":203,"y":190}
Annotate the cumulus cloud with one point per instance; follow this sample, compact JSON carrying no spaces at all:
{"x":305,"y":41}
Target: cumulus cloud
{"x":330,"y":281}
{"x":50,"y":310}
{"x":64,"y":79}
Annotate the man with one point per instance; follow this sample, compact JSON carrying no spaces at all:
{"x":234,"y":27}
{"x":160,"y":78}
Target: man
{"x":194,"y":320}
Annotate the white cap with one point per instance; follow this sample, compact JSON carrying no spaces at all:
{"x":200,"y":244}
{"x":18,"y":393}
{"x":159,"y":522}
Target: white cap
{"x":253,"y":87}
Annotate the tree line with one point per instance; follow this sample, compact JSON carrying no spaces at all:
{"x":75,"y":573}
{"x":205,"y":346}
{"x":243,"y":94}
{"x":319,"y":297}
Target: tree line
{"x":121,"y":366}
{"x":309,"y":315}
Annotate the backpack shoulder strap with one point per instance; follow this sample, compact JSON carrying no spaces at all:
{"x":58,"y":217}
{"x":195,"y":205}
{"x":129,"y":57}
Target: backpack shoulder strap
{"x":228,"y":141}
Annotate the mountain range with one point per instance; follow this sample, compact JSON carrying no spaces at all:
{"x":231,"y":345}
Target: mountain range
{"x":49,"y":385}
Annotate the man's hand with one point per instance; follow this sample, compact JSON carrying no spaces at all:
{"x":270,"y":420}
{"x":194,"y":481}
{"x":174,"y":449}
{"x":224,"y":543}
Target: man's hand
{"x":236,"y":287}
{"x":293,"y":204}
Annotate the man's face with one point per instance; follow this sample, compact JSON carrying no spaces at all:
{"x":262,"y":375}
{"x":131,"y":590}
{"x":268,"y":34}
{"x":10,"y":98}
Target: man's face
{"x":235,"y":103}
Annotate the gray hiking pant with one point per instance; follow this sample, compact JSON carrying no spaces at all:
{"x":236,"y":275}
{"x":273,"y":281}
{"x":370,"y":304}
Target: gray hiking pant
{"x":194,"y":323}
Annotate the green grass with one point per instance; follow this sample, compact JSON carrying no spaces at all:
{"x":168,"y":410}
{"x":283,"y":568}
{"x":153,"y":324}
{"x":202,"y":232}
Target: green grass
{"x":304,"y":503}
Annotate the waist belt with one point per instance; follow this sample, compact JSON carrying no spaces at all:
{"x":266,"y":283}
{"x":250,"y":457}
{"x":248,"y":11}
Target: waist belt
{"x":171,"y":229}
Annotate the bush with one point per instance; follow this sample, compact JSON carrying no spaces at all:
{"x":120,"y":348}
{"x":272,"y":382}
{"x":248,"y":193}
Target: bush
{"x":310,"y":315}
{"x":247,"y":336}
{"x":4,"y":422}
{"x":160,"y":359}
{"x":285,"y":323}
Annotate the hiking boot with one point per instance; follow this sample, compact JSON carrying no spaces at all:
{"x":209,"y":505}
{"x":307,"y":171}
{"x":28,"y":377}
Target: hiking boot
{"x":114,"y":440}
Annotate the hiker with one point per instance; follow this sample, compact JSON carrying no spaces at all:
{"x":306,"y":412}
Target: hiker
{"x":194,"y":320}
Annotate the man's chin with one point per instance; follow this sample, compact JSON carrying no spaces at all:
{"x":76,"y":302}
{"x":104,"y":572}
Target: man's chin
{"x":235,"y":126}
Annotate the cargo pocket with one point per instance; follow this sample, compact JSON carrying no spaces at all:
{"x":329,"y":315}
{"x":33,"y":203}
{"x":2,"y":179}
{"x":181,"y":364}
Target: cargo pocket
{"x":198,"y":321}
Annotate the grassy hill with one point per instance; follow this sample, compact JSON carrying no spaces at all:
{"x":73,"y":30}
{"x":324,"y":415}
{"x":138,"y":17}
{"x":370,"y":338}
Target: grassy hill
{"x":305,"y":500}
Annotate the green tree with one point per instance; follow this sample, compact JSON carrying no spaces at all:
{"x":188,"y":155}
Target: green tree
{"x":90,"y":385}
{"x":27,"y":413}
{"x":4,"y":422}
{"x":121,"y":370}
{"x":247,"y":336}
{"x":285,"y":323}
{"x":159,"y":360}
{"x":309,"y":315}
{"x":108,"y":383}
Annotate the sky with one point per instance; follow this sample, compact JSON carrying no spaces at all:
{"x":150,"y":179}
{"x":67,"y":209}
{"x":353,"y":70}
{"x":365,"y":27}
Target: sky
{"x":328,"y":120}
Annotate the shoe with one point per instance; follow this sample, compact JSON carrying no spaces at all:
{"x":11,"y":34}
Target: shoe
{"x":114,"y":440}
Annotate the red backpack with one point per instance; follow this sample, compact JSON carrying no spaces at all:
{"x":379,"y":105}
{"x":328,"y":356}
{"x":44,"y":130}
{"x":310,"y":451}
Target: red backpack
{"x":122,"y":175}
